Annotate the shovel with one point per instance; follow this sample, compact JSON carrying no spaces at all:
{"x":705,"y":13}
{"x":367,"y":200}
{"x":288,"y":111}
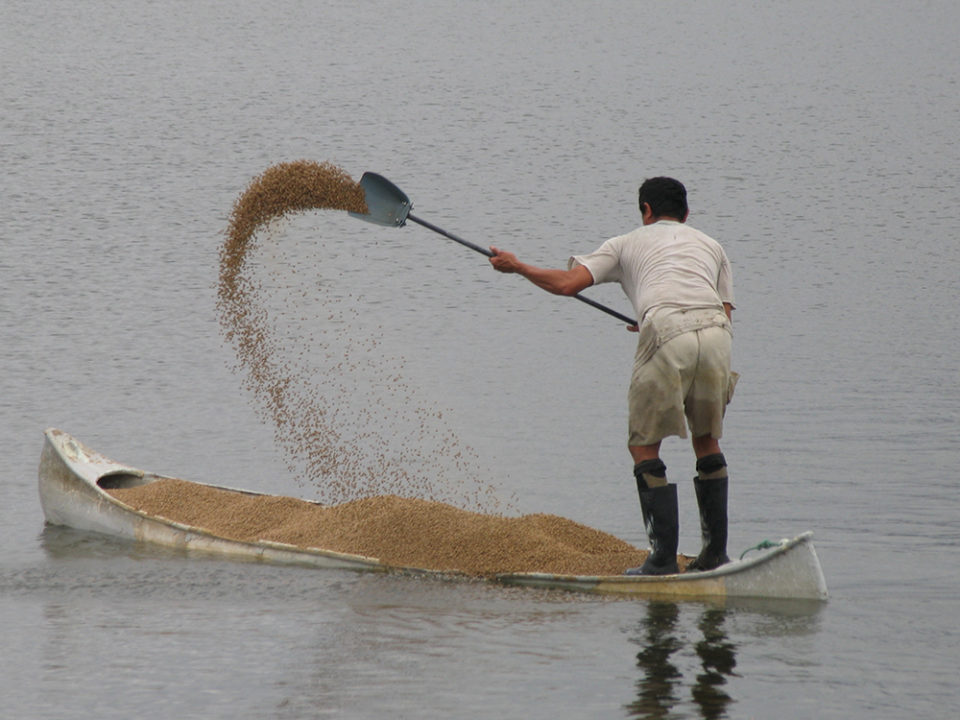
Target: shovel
{"x":388,"y":205}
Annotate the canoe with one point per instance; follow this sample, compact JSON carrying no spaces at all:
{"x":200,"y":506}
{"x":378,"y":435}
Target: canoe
{"x":74,"y":479}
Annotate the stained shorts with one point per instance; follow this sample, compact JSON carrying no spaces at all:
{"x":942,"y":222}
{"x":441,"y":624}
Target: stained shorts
{"x":687,"y":381}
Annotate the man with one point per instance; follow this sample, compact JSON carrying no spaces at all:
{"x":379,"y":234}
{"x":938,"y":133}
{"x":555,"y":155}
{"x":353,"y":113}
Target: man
{"x":680,"y":283}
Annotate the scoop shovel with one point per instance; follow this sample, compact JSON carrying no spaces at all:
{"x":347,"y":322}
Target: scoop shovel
{"x":388,"y":205}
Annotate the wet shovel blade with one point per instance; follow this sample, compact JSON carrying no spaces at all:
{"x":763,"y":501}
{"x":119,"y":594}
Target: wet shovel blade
{"x":386,"y":203}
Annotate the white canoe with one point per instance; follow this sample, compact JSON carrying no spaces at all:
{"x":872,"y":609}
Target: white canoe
{"x":73,"y":478}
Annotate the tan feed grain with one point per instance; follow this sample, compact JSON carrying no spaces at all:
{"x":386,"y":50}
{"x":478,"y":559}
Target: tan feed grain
{"x":401,"y":532}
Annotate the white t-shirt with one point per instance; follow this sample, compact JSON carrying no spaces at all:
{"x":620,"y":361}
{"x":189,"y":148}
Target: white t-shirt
{"x":677,"y":278}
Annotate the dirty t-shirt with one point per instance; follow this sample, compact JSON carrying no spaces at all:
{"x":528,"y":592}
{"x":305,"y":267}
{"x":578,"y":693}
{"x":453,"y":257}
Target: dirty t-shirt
{"x":677,"y":278}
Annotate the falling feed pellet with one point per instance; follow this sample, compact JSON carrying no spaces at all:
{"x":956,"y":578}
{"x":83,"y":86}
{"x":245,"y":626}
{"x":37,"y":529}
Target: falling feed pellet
{"x":379,"y":469}
{"x":331,"y":421}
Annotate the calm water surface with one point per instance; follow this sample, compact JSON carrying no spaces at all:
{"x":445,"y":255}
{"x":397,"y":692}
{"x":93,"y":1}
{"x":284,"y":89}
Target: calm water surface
{"x":822,"y":154}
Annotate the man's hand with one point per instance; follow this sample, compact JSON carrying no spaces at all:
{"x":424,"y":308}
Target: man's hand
{"x":503,"y":261}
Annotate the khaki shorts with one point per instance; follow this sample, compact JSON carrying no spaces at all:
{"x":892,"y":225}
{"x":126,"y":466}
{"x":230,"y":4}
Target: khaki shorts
{"x":688,"y":377}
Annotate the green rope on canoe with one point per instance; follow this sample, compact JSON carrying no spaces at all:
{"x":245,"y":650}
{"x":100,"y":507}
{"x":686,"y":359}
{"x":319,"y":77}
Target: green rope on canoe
{"x":764,"y":545}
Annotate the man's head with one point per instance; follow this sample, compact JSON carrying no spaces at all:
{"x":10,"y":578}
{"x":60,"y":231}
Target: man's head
{"x":665,"y":197}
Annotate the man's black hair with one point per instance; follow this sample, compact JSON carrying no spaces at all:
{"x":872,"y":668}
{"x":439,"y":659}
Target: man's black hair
{"x":665,"y":196}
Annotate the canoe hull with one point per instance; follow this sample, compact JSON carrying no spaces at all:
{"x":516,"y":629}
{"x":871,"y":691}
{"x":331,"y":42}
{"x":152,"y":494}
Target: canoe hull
{"x":72,"y":478}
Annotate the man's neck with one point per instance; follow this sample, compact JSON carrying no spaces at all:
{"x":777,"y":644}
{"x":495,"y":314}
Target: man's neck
{"x":651,"y":220}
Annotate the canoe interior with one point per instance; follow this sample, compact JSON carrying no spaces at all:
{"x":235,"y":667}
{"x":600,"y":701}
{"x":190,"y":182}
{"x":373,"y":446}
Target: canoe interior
{"x":121,"y":480}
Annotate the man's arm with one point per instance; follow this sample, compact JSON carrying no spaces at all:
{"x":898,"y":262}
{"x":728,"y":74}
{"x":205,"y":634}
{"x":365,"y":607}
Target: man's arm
{"x":558,"y":282}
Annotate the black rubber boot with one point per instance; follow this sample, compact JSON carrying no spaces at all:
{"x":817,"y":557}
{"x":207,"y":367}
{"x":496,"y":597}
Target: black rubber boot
{"x":659,"y":507}
{"x":712,"y":501}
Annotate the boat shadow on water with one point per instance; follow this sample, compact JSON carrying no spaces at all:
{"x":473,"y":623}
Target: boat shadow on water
{"x":664,"y":636}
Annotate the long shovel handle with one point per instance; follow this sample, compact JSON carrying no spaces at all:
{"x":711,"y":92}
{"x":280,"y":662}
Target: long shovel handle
{"x":609,"y":311}
{"x":455,"y":238}
{"x":484,"y":251}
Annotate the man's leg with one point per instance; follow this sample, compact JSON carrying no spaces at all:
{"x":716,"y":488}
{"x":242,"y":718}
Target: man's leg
{"x":656,"y":406}
{"x":658,"y":503}
{"x":705,"y":405}
{"x":649,"y":457}
{"x":706,"y":445}
{"x":711,"y":484}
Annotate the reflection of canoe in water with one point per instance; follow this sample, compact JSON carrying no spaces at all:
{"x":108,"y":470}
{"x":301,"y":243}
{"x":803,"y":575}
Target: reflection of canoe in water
{"x":74,"y":480}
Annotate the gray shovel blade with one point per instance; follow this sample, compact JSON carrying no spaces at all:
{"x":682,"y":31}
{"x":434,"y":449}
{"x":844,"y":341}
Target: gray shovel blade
{"x":386,"y":203}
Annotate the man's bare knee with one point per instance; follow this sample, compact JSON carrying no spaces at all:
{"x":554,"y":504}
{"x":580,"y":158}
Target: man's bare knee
{"x":705,"y":445}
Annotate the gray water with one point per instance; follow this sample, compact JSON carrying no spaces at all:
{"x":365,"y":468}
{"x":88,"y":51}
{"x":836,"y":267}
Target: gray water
{"x":818,"y":142}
